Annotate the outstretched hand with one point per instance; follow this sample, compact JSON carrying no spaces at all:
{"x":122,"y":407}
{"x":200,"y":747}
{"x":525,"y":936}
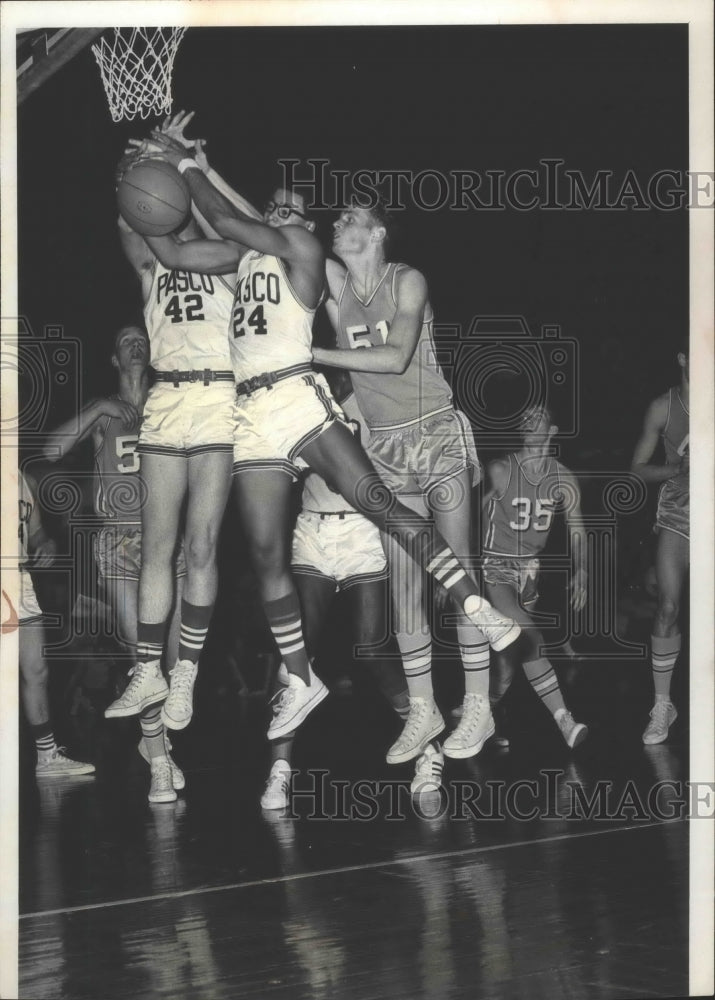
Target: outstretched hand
{"x":167,"y":148}
{"x":174,"y":128}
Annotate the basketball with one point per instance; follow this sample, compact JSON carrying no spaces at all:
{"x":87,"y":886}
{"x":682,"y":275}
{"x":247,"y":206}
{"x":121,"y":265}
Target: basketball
{"x":153,"y":198}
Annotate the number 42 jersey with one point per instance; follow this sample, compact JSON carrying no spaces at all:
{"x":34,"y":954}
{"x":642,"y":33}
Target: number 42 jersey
{"x":187,"y":317}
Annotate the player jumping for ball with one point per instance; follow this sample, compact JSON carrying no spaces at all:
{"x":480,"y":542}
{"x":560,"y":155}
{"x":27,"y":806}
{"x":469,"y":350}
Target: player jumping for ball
{"x":113,"y":426}
{"x":186,"y":447}
{"x":526,"y":488}
{"x":287,"y":419}
{"x":667,"y":418}
{"x":421,"y":447}
{"x":336,"y":549}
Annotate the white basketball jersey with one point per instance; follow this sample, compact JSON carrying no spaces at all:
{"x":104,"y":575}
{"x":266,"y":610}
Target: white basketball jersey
{"x":187,"y":317}
{"x":270,"y":327}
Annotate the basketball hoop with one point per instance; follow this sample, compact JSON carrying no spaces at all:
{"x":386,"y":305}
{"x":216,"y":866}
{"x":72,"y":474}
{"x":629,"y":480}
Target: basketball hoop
{"x":136,"y":70}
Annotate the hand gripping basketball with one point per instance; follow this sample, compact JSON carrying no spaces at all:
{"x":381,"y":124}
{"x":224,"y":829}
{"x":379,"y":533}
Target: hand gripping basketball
{"x":153,"y":198}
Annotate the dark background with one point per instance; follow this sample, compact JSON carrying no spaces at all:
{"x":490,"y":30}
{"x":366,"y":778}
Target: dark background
{"x":438,"y":98}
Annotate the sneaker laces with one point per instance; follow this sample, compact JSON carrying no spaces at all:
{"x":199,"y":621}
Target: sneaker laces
{"x":137,"y":674}
{"x":281,"y":701}
{"x":414,"y":719}
{"x":161,"y":771}
{"x":181,"y":680}
{"x":472,"y":713}
{"x":659,"y":713}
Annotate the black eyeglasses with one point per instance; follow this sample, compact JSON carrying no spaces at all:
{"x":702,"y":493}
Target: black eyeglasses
{"x":283,"y":211}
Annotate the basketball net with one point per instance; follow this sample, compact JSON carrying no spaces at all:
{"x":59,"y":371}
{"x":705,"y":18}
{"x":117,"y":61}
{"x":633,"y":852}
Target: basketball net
{"x":136,"y":70}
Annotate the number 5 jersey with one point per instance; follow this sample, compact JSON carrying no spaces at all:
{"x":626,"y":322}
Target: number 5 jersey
{"x":118,"y":487}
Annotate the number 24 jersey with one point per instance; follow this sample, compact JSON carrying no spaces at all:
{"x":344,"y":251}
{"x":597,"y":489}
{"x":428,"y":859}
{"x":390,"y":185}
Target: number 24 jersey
{"x":270,"y":327}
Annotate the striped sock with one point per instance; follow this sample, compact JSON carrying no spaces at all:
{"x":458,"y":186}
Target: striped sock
{"x":416,"y":654}
{"x":195,"y":620}
{"x":285,"y":623}
{"x":664,"y":653}
{"x":544,"y":681}
{"x":474,"y":652}
{"x":153,"y":731}
{"x":444,"y":566}
{"x":44,"y":738}
{"x":150,"y":640}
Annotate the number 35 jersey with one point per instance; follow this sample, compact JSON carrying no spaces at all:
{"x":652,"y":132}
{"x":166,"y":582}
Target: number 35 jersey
{"x":119,"y":488}
{"x":187,"y":317}
{"x":271,"y":328}
{"x":390,"y":400}
{"x":517,"y":523}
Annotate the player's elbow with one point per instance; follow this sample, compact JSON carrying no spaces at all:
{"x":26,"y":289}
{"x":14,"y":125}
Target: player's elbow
{"x":398,"y":364}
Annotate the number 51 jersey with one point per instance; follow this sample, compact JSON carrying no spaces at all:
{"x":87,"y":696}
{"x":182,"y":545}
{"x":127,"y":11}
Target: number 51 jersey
{"x":187,"y":317}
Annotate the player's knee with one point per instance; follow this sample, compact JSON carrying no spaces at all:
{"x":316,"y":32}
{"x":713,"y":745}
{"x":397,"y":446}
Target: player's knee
{"x":158,"y":547}
{"x":668,"y":609}
{"x":200,"y":549}
{"x":33,"y":672}
{"x":269,"y":557}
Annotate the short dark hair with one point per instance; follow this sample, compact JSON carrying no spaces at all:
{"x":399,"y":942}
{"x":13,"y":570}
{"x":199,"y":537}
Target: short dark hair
{"x":123,"y":329}
{"x":291,"y":192}
{"x":684,"y":345}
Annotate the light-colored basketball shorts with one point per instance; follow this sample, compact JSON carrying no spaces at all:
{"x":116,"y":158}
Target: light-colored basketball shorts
{"x":275,"y":423}
{"x":521,"y":574}
{"x":425,"y":455}
{"x":118,"y":553}
{"x":29,"y":610}
{"x":673,"y":512}
{"x":346,"y":549}
{"x":188,"y":419}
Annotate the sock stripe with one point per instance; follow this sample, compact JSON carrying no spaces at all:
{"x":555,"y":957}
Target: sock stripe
{"x":440,"y":560}
{"x":454,"y":578}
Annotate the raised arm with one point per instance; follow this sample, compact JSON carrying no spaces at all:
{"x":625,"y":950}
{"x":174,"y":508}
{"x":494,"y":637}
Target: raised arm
{"x":138,"y":254}
{"x":77,"y":429}
{"x":653,"y":425}
{"x":201,"y":256}
{"x":394,"y":356}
